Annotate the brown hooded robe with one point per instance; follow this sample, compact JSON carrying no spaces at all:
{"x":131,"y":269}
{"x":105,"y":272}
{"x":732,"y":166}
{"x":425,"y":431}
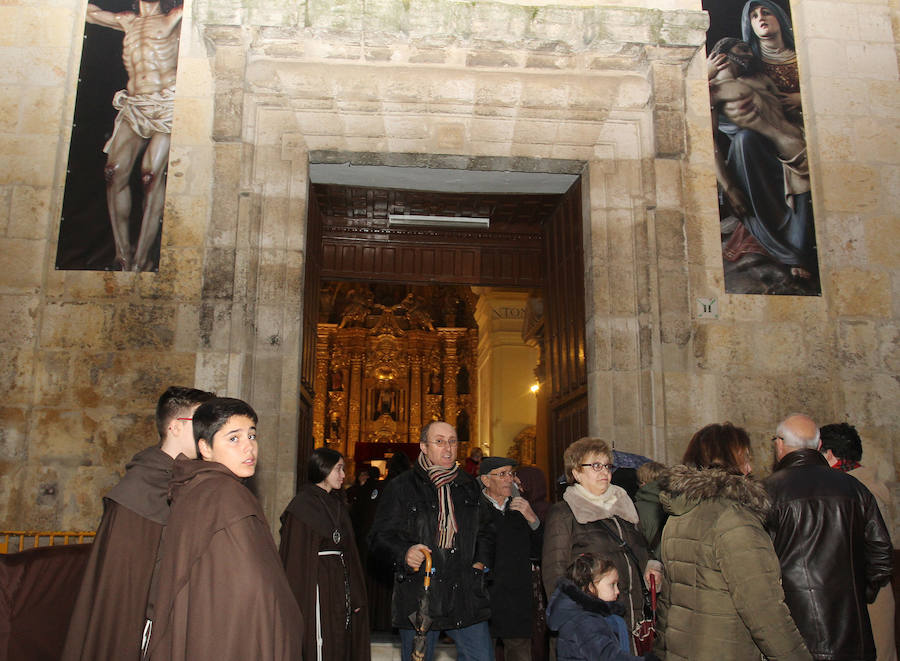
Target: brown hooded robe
{"x":221,"y":592}
{"x":308,"y":526}
{"x":108,"y":617}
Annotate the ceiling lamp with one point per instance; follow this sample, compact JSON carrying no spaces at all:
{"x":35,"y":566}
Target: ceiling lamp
{"x":414,"y":220}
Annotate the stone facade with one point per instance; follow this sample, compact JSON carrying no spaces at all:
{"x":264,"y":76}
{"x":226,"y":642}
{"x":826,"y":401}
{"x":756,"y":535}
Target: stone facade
{"x":264,"y":87}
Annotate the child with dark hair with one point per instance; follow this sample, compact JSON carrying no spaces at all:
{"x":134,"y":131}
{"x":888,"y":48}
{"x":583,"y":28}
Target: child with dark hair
{"x":321,"y":559}
{"x":217,"y":551}
{"x":584,"y":611}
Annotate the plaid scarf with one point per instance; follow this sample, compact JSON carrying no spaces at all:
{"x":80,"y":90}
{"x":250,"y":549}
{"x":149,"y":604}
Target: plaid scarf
{"x":441,"y":478}
{"x":846,"y":465}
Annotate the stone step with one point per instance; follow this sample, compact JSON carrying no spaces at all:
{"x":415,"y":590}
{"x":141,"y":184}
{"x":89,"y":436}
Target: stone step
{"x":386,"y":647}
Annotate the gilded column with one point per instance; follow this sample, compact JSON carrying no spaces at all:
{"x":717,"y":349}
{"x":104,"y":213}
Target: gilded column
{"x":451,"y":369}
{"x":320,"y":386}
{"x":353,"y":412}
{"x":415,"y":396}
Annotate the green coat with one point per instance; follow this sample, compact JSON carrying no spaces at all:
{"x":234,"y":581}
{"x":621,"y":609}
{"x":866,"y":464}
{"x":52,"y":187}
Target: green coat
{"x":652,"y":516}
{"x":722,"y":599}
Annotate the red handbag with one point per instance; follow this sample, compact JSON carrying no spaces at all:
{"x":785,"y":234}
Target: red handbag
{"x":644,"y":632}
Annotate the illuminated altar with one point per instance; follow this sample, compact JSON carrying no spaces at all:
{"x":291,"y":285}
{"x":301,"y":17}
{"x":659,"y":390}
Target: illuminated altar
{"x":384,"y":371}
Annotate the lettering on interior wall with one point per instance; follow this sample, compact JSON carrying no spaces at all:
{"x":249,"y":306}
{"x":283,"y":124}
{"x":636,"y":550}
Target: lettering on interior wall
{"x":119,"y":153}
{"x":765,"y":201}
{"x":509,"y":313}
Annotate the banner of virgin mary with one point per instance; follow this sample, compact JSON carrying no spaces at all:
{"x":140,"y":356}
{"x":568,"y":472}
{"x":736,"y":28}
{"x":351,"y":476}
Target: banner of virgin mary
{"x":765,"y":202}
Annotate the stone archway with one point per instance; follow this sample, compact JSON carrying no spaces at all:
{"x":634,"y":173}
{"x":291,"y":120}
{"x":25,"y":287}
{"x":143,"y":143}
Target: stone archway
{"x":608,"y":90}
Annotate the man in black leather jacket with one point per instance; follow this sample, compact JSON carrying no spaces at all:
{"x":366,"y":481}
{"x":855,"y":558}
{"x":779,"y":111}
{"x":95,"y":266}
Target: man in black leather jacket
{"x":834,"y":548}
{"x":437,"y":506}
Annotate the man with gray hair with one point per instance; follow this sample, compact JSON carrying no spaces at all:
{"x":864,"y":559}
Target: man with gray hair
{"x":831,"y":541}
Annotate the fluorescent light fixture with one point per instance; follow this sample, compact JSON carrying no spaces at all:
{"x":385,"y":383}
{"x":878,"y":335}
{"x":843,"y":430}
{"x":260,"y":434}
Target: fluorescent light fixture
{"x":399,"y":219}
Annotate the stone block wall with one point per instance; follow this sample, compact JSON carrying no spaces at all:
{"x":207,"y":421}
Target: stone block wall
{"x":264,"y":87}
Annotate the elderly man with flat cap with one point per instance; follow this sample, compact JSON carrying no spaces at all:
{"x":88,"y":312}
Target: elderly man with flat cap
{"x":832,"y":544}
{"x":519,"y":537}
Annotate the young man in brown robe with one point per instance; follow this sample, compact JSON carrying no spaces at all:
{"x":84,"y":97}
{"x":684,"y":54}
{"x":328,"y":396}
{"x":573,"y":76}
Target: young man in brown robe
{"x":220,"y":590}
{"x":109,"y":613}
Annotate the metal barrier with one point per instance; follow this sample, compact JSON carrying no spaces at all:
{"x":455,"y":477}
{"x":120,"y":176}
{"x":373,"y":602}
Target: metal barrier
{"x":13,"y":541}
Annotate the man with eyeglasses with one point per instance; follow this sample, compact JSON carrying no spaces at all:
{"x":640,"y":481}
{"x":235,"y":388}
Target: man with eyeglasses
{"x":519,"y":537}
{"x":832,"y":544}
{"x":109,"y":614}
{"x":436,"y":507}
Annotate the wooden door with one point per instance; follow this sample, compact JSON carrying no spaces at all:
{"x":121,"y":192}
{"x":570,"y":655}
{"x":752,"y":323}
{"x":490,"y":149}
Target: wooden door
{"x":564,"y":329}
{"x":312,"y":270}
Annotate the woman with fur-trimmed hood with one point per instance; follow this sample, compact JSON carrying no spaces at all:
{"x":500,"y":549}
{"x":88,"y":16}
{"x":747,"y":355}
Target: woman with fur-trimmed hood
{"x":723,"y":597}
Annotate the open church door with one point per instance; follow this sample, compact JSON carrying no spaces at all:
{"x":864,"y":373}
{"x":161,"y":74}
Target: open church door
{"x":564,"y":329}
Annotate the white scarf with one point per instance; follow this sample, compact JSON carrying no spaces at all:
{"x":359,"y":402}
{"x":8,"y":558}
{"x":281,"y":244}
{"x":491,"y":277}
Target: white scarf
{"x":587,"y":507}
{"x":776,"y":55}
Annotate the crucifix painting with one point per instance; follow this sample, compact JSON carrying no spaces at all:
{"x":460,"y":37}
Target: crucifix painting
{"x":119,"y":153}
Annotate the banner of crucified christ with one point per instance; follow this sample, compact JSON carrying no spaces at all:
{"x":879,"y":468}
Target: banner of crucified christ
{"x":116,"y":177}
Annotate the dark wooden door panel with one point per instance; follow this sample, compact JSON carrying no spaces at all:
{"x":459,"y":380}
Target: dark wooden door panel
{"x":518,"y":264}
{"x":312,"y":271}
{"x":565,"y":327}
{"x":568,"y":423}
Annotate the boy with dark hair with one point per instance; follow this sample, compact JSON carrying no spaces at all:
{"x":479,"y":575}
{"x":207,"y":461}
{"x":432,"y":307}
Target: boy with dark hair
{"x":109,"y":611}
{"x":220,"y":590}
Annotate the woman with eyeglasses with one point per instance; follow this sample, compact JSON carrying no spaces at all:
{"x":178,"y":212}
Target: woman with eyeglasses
{"x":723,"y":599}
{"x":598,"y":517}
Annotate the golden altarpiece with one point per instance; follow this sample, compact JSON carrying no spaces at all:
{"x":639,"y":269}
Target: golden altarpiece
{"x":384,"y":370}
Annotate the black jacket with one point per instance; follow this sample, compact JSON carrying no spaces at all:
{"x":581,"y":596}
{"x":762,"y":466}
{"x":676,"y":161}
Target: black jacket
{"x":834,"y":550}
{"x":509,"y":578}
{"x":407,"y":515}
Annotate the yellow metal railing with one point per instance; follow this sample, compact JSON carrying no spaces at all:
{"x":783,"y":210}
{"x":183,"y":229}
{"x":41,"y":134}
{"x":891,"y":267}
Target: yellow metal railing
{"x":13,"y":541}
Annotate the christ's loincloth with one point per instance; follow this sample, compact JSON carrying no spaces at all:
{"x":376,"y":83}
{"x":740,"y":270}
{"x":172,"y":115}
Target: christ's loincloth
{"x":146,"y":114}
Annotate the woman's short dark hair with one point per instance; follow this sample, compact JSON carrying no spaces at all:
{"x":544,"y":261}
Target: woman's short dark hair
{"x":212,"y":415}
{"x":587,"y":568}
{"x":321,"y":461}
{"x":718,"y":446}
{"x":843,"y":440}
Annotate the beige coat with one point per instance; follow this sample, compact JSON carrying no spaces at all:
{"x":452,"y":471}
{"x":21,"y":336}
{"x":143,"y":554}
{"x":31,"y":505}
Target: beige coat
{"x":723,"y":597}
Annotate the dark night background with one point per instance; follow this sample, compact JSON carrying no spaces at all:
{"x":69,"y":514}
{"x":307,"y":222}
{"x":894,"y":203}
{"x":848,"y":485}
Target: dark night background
{"x":725,"y":18}
{"x":85,"y":235}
